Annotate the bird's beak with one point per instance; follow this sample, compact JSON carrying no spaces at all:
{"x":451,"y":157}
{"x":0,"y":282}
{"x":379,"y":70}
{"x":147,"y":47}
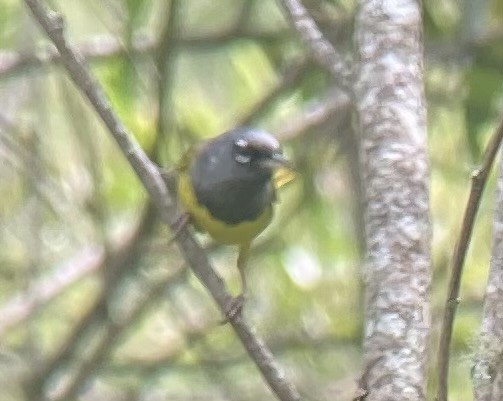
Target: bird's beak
{"x":282,"y":169}
{"x":277,"y":161}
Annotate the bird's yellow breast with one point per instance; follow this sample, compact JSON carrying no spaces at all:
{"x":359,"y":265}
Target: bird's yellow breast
{"x":222,"y":232}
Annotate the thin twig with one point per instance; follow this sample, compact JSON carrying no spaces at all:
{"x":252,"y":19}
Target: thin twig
{"x":284,"y":344}
{"x":315,"y":114}
{"x":165,"y":63}
{"x":479,"y":179}
{"x":100,"y":46}
{"x":323,"y":51}
{"x":106,"y":46}
{"x":291,"y":76}
{"x":118,"y":264}
{"x":150,"y":176}
{"x":48,"y":190}
{"x":113,"y":332}
{"x":17,"y":308}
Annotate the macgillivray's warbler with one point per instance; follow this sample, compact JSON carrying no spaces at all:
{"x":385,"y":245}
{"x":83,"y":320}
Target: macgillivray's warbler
{"x":227,"y":186}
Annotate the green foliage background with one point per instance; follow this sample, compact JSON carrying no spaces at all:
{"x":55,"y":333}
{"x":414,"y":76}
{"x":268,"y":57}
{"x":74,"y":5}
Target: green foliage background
{"x":64,"y":186}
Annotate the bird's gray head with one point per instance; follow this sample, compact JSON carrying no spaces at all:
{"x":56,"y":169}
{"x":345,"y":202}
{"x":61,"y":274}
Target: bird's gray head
{"x":257,"y":149}
{"x":231,"y":175}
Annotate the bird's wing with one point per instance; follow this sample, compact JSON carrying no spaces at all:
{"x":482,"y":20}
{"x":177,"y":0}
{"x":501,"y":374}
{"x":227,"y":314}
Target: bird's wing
{"x":184,"y":163}
{"x":189,"y":155}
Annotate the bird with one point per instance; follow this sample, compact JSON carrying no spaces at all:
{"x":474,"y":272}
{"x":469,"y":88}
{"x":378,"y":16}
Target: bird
{"x":227,"y":187}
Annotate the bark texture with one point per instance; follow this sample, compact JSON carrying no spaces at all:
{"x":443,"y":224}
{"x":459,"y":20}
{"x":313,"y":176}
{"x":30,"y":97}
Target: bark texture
{"x":488,"y":364}
{"x":392,"y":117}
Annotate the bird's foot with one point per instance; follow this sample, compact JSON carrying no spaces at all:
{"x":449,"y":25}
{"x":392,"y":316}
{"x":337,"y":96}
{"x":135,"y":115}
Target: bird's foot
{"x":234,"y":308}
{"x":181,"y":222}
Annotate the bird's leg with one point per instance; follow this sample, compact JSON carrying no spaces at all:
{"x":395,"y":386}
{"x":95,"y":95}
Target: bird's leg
{"x":235,"y":306}
{"x":169,"y":177}
{"x":243,"y":256}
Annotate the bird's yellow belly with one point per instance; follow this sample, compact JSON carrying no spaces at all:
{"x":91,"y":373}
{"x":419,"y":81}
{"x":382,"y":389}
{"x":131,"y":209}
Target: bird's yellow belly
{"x":240,"y":233}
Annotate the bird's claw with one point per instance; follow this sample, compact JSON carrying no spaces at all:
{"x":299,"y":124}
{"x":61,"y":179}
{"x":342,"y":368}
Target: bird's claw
{"x":181,"y":222}
{"x":234,"y":308}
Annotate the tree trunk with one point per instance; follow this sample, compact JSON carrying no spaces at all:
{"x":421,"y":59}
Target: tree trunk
{"x":392,"y":117}
{"x":488,"y":364}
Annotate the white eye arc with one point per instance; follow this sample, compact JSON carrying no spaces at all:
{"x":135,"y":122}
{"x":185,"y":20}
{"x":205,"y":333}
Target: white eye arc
{"x":242,"y":143}
{"x":243,"y":159}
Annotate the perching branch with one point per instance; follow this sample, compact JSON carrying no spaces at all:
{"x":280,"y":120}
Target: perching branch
{"x":149,"y":175}
{"x":479,"y":179}
{"x":91,"y":259}
{"x":323,"y":51}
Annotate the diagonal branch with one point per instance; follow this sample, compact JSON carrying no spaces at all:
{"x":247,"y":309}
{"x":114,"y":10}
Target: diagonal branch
{"x":17,"y":308}
{"x":315,"y":113}
{"x":289,"y":78}
{"x":479,"y":179}
{"x":106,"y":343}
{"x":323,"y":51}
{"x":119,"y":262}
{"x":149,"y":175}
